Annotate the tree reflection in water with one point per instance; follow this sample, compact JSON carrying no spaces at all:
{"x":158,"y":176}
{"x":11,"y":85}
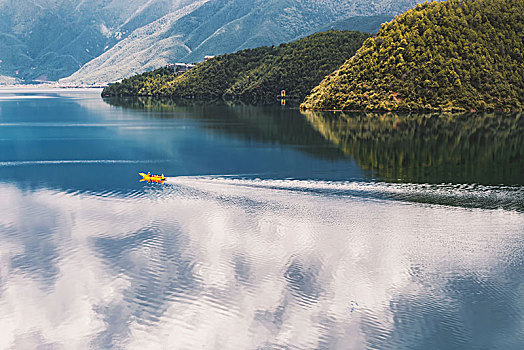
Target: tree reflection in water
{"x":433,"y":148}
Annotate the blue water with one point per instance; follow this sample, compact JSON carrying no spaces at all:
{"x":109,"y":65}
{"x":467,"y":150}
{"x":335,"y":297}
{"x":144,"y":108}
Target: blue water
{"x":78,"y":141}
{"x":275,"y":229}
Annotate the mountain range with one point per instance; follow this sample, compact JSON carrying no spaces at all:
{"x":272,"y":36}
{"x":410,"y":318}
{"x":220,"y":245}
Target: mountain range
{"x":98,"y":41}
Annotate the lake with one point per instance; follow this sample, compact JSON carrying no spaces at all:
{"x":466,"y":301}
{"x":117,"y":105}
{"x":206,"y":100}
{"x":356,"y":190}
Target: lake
{"x":275,"y":229}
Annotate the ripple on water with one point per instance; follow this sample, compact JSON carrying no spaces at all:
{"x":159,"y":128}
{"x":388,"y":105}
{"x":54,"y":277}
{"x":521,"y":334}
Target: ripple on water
{"x":212,"y":262}
{"x":303,"y":282}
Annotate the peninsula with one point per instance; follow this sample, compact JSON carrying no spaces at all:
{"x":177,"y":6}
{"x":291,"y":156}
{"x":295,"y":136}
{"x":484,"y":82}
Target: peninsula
{"x":256,"y":75}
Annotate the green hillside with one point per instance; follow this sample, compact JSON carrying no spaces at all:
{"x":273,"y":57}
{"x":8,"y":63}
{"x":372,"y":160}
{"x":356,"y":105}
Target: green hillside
{"x":452,"y":55}
{"x":253,"y":74}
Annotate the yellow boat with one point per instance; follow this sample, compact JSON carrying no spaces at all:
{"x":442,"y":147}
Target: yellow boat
{"x":152,"y":177}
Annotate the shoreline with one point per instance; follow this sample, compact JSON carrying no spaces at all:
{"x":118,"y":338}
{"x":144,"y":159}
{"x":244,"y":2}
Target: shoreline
{"x":50,"y":85}
{"x":16,"y":89}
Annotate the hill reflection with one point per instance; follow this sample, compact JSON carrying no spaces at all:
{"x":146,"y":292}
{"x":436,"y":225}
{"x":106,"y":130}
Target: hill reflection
{"x":268,"y":123}
{"x":424,"y":148}
{"x":433,"y":148}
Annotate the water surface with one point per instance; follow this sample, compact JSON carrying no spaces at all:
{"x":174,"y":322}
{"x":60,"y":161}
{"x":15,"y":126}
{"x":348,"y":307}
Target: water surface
{"x":275,"y":229}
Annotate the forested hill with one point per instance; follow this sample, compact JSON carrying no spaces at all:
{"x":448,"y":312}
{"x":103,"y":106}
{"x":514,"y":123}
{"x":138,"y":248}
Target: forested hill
{"x":253,"y":74}
{"x":452,"y":55}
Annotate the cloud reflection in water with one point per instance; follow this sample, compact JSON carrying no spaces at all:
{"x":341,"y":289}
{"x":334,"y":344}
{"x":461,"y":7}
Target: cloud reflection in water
{"x":224,"y":264}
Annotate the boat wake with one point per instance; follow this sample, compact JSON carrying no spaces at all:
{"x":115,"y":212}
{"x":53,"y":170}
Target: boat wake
{"x":458,"y":195}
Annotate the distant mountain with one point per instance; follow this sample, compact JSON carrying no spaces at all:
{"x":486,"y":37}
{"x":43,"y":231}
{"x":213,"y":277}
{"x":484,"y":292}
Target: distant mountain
{"x":149,"y":47}
{"x":223,"y":26}
{"x":448,"y":56}
{"x":111,"y":39}
{"x":255,"y":75}
{"x":51,"y":39}
{"x":367,"y":24}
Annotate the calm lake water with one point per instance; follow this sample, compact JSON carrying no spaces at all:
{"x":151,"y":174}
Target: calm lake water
{"x":275,"y":229}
